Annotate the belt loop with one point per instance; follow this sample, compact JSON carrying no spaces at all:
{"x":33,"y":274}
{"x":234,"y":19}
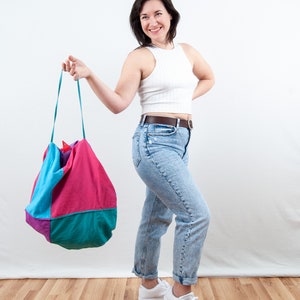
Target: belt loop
{"x":143,"y":119}
{"x":177,"y":122}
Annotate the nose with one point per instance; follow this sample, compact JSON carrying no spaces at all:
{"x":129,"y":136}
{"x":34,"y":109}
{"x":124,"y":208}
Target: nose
{"x":152,"y":21}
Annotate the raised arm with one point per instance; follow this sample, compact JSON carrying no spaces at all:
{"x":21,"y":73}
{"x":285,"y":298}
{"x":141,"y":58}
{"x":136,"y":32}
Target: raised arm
{"x":115,"y":100}
{"x":202,"y":71}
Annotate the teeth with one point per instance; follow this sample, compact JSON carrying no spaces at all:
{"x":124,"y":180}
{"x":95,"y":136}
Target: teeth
{"x":157,"y":29}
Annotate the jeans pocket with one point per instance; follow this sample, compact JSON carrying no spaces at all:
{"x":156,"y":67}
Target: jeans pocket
{"x":161,"y":130}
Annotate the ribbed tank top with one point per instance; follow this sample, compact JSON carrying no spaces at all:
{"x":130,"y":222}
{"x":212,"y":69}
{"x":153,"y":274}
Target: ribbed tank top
{"x":169,"y":88}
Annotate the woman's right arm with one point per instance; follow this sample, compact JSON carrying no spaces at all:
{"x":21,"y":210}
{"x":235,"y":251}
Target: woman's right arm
{"x":115,"y":100}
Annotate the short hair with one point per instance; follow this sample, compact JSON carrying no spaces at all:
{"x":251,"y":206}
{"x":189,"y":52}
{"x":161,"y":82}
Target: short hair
{"x":135,"y":22}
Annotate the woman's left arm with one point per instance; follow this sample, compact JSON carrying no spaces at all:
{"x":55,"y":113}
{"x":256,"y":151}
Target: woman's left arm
{"x":201,"y":69}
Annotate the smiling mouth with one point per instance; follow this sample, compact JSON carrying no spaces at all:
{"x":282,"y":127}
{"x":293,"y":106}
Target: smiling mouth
{"x":155,"y":30}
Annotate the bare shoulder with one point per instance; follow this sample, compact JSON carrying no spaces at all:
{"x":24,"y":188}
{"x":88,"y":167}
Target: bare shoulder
{"x":200,"y":67}
{"x":194,"y":56}
{"x":142,"y":59}
{"x":136,"y":59}
{"x":186,"y":47}
{"x":190,"y":51}
{"x":139,"y":53}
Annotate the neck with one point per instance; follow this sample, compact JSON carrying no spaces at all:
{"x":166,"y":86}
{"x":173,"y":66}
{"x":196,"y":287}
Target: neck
{"x":167,"y":46}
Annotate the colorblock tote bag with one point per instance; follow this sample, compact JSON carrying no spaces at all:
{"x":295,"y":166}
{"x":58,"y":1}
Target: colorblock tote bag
{"x":73,"y":202}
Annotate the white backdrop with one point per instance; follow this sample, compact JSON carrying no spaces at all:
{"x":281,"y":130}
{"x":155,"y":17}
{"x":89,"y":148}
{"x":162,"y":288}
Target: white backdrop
{"x":245,"y":151}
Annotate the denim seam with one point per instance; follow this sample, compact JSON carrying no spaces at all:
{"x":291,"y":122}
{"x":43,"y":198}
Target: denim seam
{"x":144,"y":254}
{"x":187,"y":236}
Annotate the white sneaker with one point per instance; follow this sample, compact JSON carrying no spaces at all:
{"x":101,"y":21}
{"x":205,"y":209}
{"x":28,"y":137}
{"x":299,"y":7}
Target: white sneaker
{"x":169,"y":296}
{"x":157,"y":293}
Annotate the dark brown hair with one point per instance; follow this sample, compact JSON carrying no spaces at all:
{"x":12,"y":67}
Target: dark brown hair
{"x":135,"y":22}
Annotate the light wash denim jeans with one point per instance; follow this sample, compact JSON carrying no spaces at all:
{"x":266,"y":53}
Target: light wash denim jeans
{"x":160,"y":157}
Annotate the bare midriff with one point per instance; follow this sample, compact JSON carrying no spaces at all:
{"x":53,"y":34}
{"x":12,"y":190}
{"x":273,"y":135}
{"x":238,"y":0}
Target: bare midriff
{"x":171,"y":115}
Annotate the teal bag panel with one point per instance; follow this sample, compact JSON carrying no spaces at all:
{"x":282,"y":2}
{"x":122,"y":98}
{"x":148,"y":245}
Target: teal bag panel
{"x":67,"y":231}
{"x":50,"y":175}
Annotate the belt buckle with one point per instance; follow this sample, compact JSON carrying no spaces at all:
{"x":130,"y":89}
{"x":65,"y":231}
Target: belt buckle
{"x":190,"y":124}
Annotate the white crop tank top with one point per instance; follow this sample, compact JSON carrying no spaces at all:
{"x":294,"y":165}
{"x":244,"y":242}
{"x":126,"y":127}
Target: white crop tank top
{"x":169,"y":88}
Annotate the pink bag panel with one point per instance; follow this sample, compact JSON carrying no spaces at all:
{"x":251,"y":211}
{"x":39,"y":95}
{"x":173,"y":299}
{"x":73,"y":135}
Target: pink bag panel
{"x":88,"y":182}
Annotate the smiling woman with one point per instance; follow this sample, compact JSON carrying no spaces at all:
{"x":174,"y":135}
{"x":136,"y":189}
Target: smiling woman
{"x":153,"y":11}
{"x":167,"y":77}
{"x":155,"y":24}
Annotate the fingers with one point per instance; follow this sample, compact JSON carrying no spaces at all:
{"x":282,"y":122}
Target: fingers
{"x":67,"y":65}
{"x":75,"y":67}
{"x":70,"y":66}
{"x":72,"y":58}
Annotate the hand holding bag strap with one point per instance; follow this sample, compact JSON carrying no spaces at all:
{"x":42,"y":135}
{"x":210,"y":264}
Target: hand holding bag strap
{"x":56,"y":107}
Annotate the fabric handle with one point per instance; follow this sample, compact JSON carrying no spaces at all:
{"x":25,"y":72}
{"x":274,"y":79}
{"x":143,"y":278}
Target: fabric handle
{"x":56,"y":106}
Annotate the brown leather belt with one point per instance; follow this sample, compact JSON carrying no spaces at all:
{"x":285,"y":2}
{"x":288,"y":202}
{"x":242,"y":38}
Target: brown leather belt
{"x":167,"y":121}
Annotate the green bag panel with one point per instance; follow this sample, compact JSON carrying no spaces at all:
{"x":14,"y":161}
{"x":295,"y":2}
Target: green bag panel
{"x":67,"y":231}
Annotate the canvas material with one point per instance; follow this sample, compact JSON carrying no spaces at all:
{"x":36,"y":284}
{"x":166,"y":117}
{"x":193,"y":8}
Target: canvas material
{"x":73,"y":202}
{"x":50,"y":174}
{"x":68,"y":231}
{"x":84,"y":185}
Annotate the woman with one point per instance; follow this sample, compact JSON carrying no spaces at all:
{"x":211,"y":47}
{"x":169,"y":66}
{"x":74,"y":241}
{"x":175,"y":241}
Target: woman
{"x":167,"y":77}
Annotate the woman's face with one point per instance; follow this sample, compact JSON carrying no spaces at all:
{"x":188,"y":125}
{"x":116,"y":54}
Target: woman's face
{"x":155,"y":21}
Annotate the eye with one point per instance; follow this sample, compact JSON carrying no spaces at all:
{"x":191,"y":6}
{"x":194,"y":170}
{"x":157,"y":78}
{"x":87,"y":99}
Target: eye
{"x":144,"y":17}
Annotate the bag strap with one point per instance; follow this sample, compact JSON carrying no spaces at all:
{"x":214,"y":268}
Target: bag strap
{"x":56,"y":106}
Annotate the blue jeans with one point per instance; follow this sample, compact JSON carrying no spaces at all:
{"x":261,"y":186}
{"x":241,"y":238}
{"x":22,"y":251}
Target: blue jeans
{"x":160,"y":157}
